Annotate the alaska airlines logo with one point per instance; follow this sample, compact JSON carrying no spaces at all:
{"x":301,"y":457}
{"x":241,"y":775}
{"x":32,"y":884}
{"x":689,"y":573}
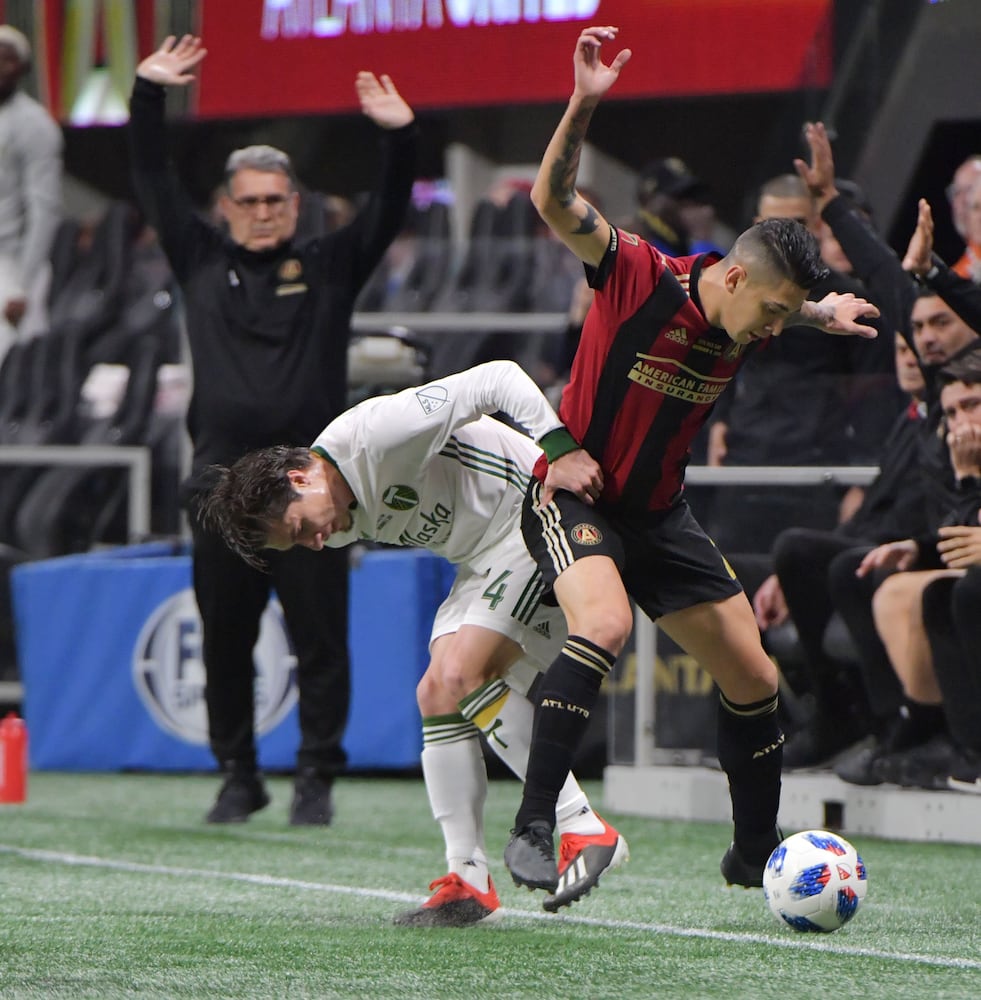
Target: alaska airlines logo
{"x":400,"y":497}
{"x":432,"y":398}
{"x":168,"y":672}
{"x":667,"y":376}
{"x":330,"y":18}
{"x":433,"y":525}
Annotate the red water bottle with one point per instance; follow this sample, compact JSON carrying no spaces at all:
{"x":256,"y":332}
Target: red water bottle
{"x":13,"y":759}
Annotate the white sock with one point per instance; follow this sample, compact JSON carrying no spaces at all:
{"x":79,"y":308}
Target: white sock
{"x":505,"y":718}
{"x":456,"y":782}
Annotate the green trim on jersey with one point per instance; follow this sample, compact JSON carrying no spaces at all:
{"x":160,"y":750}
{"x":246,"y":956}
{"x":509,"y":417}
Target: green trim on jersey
{"x":488,"y":462}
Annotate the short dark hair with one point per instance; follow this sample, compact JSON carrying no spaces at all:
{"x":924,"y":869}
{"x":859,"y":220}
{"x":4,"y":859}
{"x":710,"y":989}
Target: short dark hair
{"x":965,"y":368}
{"x":244,"y":500}
{"x":787,"y":247}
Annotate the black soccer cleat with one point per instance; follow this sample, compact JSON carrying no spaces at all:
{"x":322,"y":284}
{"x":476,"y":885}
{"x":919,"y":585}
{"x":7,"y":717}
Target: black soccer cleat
{"x":736,"y":870}
{"x":530,"y":857}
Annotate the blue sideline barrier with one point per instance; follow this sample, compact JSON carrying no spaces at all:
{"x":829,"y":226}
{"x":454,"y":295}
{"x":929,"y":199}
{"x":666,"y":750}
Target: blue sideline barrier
{"x":108,"y":645}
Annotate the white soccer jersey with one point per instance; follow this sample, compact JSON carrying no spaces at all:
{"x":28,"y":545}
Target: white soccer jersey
{"x":429,"y":469}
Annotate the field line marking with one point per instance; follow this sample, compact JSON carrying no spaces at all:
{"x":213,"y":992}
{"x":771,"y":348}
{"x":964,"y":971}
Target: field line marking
{"x":798,"y":941}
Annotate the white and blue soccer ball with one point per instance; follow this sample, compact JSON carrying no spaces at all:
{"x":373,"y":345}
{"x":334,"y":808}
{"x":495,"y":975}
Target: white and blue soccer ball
{"x":814,"y":881}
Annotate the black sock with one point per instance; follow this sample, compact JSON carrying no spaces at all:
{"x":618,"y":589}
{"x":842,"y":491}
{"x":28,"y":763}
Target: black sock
{"x":917,"y":722}
{"x":565,"y":699}
{"x":750,"y":745}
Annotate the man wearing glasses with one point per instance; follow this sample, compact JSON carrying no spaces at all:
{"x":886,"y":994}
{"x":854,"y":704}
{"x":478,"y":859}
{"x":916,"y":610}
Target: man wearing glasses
{"x":268,"y":320}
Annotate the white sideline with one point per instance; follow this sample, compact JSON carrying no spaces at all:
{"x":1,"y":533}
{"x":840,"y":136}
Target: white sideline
{"x":796,"y":942}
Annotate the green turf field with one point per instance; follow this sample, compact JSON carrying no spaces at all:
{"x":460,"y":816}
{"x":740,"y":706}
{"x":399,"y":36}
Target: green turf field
{"x":113,"y":887}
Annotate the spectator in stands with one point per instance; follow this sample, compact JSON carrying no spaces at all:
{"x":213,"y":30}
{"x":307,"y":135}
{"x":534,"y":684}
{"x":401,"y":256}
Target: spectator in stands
{"x":969,"y":265}
{"x":959,"y":195}
{"x":30,"y":195}
{"x":952,"y":619}
{"x":674,"y":210}
{"x":800,"y":587}
{"x":921,"y":751}
{"x":268,"y":320}
{"x":805,"y":399}
{"x":473,"y":470}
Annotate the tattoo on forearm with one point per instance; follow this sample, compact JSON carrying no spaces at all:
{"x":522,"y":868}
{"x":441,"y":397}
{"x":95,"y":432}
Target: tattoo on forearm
{"x":562,"y":177}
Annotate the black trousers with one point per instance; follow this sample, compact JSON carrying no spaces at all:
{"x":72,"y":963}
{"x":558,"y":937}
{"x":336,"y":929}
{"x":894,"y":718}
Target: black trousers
{"x":852,"y":597}
{"x":952,"y":616}
{"x":313,"y":590}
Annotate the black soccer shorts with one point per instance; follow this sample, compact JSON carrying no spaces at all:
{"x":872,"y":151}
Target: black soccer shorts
{"x":666,"y":560}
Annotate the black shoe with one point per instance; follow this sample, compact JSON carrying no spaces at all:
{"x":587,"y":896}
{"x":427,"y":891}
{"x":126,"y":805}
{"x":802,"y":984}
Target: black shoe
{"x":530,"y":857}
{"x":857,"y":767}
{"x":735,"y":868}
{"x":312,"y":804}
{"x":965,"y":771}
{"x":815,"y":746}
{"x":242,"y":794}
{"x":926,"y":765}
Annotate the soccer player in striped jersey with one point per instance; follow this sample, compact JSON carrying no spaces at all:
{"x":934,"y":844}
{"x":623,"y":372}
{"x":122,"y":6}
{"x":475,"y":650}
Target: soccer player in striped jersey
{"x":427,"y":467}
{"x":663,"y":338}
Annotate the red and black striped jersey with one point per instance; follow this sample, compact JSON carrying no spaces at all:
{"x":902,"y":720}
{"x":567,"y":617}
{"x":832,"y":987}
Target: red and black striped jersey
{"x":647,"y":372}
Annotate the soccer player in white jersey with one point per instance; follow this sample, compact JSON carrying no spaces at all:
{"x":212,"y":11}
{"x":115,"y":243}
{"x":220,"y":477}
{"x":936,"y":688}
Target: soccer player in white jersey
{"x":428,"y":467}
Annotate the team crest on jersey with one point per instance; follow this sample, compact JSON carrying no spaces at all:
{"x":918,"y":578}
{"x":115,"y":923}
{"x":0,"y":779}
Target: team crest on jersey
{"x":290,"y":269}
{"x":630,"y":238}
{"x":432,"y":398}
{"x":679,"y":336}
{"x":400,"y":497}
{"x":586,"y":534}
{"x":733,"y":351}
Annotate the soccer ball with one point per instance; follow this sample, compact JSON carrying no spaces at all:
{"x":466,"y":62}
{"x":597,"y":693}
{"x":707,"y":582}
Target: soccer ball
{"x":814,"y":881}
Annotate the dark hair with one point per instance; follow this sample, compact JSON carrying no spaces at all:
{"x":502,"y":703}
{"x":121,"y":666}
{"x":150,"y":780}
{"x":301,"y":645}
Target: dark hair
{"x":243,"y":501}
{"x":785,"y":246}
{"x":966,"y":369}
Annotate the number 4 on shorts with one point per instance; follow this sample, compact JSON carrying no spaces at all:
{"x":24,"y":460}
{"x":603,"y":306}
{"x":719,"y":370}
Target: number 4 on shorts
{"x":495,"y":591}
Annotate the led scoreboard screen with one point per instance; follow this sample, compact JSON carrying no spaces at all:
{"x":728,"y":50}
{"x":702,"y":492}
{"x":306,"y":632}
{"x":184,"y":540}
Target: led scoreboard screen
{"x":273,"y":57}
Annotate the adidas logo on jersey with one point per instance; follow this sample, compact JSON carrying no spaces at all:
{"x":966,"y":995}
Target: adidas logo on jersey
{"x":679,"y":336}
{"x":543,"y":630}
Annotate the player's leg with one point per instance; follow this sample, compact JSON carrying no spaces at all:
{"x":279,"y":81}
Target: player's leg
{"x":577,"y":552}
{"x":589,"y":846}
{"x":456,"y":783}
{"x":723,"y":637}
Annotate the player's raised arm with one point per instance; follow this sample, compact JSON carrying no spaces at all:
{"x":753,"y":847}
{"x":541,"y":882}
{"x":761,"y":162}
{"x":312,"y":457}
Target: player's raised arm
{"x":568,"y":215}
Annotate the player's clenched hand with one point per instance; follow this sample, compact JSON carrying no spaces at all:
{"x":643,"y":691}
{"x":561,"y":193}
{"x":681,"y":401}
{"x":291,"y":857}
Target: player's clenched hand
{"x":171,"y":64}
{"x":576,"y":471}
